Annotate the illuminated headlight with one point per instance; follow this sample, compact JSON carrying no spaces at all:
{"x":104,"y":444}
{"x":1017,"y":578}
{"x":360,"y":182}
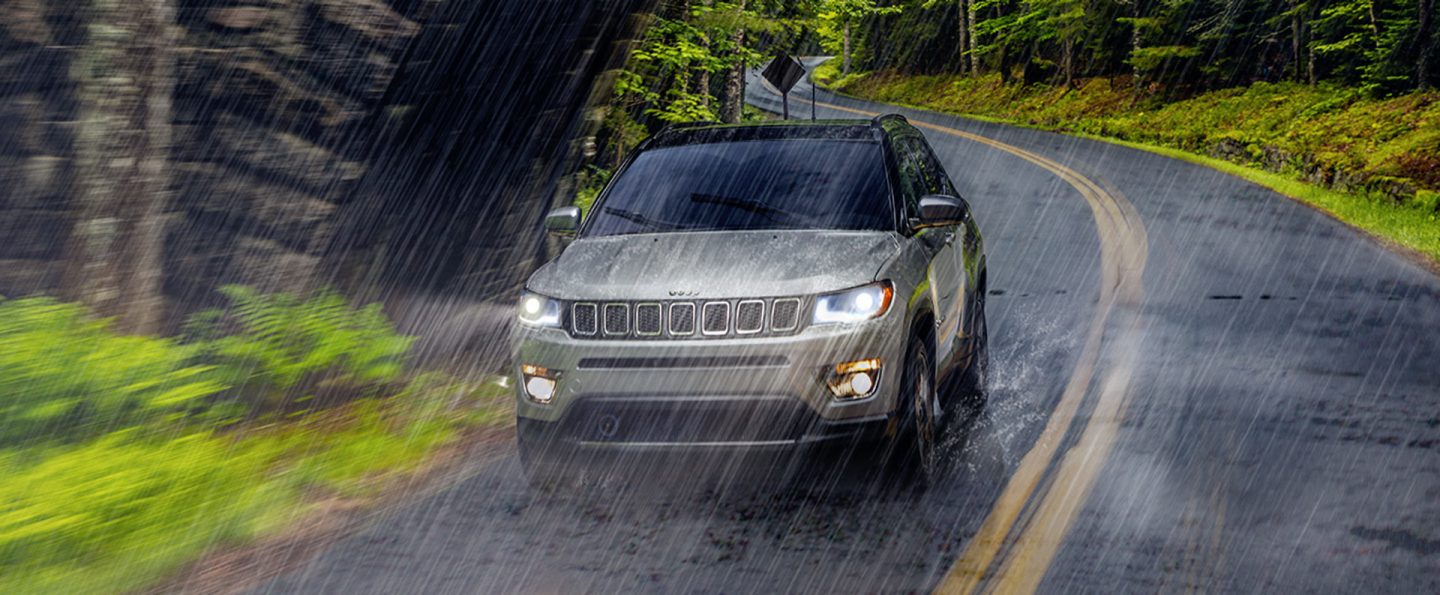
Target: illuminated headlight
{"x":538,"y":310}
{"x":539,"y":383}
{"x":854,"y":305}
{"x":854,"y":380}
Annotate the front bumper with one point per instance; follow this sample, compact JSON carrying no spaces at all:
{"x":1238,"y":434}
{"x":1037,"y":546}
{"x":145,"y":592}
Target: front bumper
{"x":741,"y":393}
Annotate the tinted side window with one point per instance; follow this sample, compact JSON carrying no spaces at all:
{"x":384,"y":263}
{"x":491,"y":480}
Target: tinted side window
{"x":912,"y":176}
{"x":936,"y":182}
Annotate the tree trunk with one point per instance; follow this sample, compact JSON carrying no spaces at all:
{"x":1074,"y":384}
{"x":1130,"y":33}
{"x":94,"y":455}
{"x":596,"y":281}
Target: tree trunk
{"x":973,"y":36}
{"x":1067,"y":61}
{"x":845,"y":69}
{"x":963,"y":32}
{"x":1426,"y":38}
{"x":1296,"y":41}
{"x":702,"y":87}
{"x":1004,"y":64}
{"x":1136,"y":10}
{"x":702,"y":76}
{"x":732,"y":106}
{"x":125,"y":75}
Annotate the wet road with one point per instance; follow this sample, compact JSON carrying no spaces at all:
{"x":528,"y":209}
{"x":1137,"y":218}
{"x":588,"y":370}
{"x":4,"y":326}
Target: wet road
{"x":1196,"y":383}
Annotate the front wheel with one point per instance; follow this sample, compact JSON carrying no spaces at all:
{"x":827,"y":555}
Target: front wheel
{"x":977,"y":374}
{"x":918,"y":437}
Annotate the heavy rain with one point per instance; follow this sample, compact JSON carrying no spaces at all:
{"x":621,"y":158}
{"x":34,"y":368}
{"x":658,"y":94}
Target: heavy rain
{"x":719,"y":296}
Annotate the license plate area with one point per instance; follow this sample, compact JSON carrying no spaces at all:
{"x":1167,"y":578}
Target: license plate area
{"x":681,"y":421}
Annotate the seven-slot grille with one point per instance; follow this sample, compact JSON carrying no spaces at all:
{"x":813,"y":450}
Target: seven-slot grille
{"x":699,"y":319}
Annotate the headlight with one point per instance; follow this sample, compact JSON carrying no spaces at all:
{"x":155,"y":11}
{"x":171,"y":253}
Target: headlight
{"x":854,"y":305}
{"x":538,"y":310}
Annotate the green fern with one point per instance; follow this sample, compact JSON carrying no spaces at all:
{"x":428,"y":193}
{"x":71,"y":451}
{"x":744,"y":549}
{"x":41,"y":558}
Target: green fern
{"x":65,"y":374}
{"x":270,"y":344}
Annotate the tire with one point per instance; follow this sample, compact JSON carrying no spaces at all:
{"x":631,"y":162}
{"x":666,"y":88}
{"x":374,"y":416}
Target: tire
{"x":973,"y":393}
{"x":917,"y":441}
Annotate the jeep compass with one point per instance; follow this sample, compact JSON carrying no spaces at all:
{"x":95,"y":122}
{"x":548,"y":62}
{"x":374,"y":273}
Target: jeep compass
{"x":754,"y":288}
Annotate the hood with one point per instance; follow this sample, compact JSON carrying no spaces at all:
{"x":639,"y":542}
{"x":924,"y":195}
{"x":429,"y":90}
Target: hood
{"x":720,"y":264}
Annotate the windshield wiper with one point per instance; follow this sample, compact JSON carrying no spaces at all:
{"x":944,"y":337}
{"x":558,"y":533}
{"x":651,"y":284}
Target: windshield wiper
{"x":753,"y":206}
{"x":634,"y":217}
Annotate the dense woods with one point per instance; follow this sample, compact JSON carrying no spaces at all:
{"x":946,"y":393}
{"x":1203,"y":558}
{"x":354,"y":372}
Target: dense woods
{"x":1385,"y":46}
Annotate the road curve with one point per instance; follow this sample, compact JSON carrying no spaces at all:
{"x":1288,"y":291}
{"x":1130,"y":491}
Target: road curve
{"x":1258,"y":409}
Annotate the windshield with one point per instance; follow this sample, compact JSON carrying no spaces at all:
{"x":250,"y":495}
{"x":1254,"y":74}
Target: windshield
{"x":753,"y":184}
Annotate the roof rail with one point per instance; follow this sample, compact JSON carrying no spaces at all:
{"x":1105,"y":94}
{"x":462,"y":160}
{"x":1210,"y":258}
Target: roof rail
{"x":884,"y":117}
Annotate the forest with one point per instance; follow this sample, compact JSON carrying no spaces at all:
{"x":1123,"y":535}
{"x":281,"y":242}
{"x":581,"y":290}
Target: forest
{"x":1331,"y":102}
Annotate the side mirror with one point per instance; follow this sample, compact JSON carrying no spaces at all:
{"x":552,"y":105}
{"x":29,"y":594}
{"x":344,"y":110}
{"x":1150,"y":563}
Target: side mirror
{"x":563,"y":221}
{"x":939,"y":210}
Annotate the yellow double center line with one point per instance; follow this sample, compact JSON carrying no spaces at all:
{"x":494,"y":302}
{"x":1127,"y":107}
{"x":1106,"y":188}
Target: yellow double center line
{"x":1033,"y":542}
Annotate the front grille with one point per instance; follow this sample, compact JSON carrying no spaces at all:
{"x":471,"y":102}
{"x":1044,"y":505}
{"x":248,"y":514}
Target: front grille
{"x":647,"y":319}
{"x":685,"y":319}
{"x":617,"y":319}
{"x":716,"y":317}
{"x":785,"y":314}
{"x":583,"y":319}
{"x":682,"y":319}
{"x":750,"y":317}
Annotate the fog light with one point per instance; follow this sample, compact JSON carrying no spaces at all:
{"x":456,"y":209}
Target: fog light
{"x":854,"y":380}
{"x":539,"y":383}
{"x":861,"y":383}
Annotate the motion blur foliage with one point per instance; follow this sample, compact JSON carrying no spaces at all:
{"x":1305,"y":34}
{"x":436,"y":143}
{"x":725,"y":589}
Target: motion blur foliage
{"x":68,"y":376}
{"x":127,"y":455}
{"x":276,"y":347}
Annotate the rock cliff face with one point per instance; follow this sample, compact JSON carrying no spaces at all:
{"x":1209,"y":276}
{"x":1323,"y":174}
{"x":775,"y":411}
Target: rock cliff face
{"x":349,"y":142}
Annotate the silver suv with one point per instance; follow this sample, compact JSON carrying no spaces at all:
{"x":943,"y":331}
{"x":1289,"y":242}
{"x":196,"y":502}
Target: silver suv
{"x":746,"y":288}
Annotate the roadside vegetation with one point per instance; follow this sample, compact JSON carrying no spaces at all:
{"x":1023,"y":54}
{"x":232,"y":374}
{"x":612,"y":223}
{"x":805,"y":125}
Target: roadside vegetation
{"x":126,"y":457}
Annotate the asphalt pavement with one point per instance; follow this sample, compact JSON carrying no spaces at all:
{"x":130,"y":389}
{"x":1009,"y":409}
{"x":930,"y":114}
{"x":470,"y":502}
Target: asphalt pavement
{"x":1257,"y":410}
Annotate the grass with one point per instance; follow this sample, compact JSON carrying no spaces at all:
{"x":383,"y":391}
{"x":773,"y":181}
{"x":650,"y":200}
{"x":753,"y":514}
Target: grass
{"x":1371,"y":163}
{"x":116,"y":513}
{"x":1412,"y":231}
{"x":127,"y":457}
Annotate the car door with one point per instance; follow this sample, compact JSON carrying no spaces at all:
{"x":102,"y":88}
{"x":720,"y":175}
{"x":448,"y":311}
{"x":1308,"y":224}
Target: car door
{"x":920,"y":177}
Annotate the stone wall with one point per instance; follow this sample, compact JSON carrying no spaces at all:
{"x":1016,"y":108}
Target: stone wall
{"x":316,"y":140}
{"x":37,"y":149}
{"x":275,"y":107}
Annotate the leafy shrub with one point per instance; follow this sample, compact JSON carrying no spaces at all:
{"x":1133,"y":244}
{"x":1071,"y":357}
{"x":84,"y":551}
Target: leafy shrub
{"x":273,"y":345}
{"x":64,"y":374}
{"x":103,"y":515}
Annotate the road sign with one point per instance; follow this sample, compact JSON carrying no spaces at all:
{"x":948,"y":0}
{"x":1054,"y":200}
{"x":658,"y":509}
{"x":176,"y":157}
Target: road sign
{"x":782,"y":73}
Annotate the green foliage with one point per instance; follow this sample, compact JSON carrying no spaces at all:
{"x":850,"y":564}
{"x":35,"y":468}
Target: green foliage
{"x":590,"y":181}
{"x":112,"y":514}
{"x":65,"y":375}
{"x":117,"y":513}
{"x":1188,"y":45}
{"x":269,"y":345}
{"x":666,"y":70}
{"x":832,"y":17}
{"x":114,"y":475}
